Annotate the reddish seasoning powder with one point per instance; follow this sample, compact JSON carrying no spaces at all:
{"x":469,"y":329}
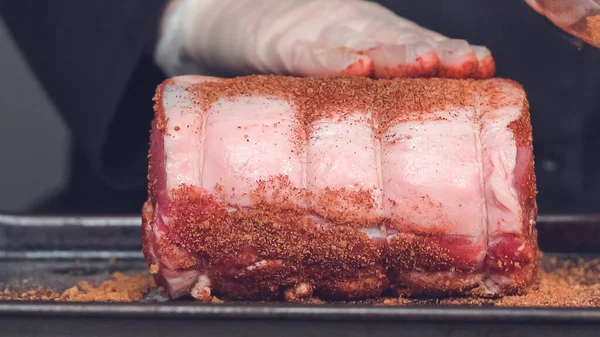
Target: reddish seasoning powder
{"x":593,"y":25}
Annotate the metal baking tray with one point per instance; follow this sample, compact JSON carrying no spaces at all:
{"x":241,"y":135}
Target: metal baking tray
{"x":57,"y":252}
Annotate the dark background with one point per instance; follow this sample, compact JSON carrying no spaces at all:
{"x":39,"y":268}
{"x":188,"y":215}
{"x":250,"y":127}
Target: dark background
{"x":562,"y":84}
{"x":34,"y":141}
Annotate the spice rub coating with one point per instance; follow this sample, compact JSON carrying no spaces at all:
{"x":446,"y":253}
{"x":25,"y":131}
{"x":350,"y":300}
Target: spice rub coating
{"x":266,"y":187}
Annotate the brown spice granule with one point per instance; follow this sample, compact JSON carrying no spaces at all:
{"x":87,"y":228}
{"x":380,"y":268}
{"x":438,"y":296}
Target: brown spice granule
{"x":396,"y":301}
{"x":121,"y":288}
{"x":214,"y":300}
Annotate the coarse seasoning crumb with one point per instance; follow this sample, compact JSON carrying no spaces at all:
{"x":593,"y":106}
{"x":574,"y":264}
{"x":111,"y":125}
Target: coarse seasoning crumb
{"x":29,"y":295}
{"x":593,"y":25}
{"x":120,"y":288}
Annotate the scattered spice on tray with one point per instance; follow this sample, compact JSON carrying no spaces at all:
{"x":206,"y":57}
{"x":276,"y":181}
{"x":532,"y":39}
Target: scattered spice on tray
{"x":555,"y":291}
{"x":120,"y":288}
{"x":566,"y":283}
{"x":29,"y":295}
{"x":569,"y":284}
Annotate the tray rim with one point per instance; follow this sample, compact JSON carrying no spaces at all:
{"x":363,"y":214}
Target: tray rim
{"x":328,"y":312}
{"x":274,"y":310}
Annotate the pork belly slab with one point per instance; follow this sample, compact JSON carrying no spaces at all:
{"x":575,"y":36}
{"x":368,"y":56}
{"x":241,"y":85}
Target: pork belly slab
{"x":268,"y":187}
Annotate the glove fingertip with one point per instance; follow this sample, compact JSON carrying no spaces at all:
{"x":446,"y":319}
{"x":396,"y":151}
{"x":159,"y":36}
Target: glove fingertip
{"x":362,"y":67}
{"x":486,"y":68}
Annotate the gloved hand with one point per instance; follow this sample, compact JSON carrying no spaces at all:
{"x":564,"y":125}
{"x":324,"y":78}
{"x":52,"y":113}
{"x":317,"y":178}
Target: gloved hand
{"x":580,"y":18}
{"x":309,"y":38}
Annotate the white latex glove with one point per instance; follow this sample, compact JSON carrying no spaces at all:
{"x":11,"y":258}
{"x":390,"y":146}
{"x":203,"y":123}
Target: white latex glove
{"x":573,"y":16}
{"x":309,"y":38}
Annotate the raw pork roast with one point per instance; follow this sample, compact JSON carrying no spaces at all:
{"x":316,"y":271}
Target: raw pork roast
{"x":267,"y":187}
